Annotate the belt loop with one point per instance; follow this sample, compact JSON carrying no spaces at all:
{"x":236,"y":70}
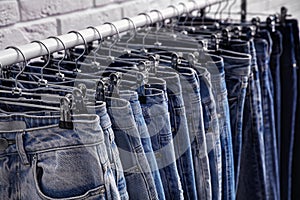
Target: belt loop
{"x":20,"y":148}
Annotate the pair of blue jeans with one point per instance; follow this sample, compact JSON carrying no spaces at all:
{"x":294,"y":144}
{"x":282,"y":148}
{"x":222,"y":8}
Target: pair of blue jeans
{"x":54,"y":163}
{"x":253,"y":151}
{"x":180,"y":131}
{"x":133,"y":98}
{"x":212,"y":132}
{"x":215,"y":66}
{"x":192,"y":100}
{"x":136,"y":167}
{"x":270,"y":139}
{"x":288,"y":75}
{"x":155,"y":111}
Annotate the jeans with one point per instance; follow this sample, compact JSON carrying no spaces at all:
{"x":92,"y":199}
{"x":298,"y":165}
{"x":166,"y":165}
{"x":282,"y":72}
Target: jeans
{"x":237,"y":70}
{"x":215,"y":66}
{"x":180,"y":132}
{"x":54,"y":163}
{"x":132,"y":97}
{"x":136,"y":167}
{"x":288,"y":73}
{"x":275,"y":71}
{"x":253,"y":151}
{"x":192,"y":101}
{"x":111,"y":147}
{"x":155,"y":111}
{"x":272,"y":168}
{"x":212,"y":133}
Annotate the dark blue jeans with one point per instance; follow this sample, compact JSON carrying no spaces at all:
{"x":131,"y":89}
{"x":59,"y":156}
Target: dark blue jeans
{"x":270,"y":140}
{"x":288,"y":75}
{"x":252,"y":166}
{"x":275,"y":71}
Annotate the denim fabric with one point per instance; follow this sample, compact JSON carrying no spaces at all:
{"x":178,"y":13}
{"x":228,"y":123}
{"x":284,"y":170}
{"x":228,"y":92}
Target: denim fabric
{"x":275,"y":71}
{"x":212,"y":133}
{"x":296,"y":154}
{"x":136,"y":167}
{"x":192,"y":101}
{"x":180,"y":132}
{"x":155,"y":111}
{"x":111,"y":147}
{"x":237,"y":70}
{"x":270,"y":141}
{"x":54,"y":163}
{"x":132,"y":97}
{"x":215,"y":66}
{"x":288,"y":73}
{"x":253,"y":153}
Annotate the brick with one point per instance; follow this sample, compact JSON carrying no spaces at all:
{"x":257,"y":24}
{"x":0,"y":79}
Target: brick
{"x":23,"y":33}
{"x":35,"y":9}
{"x":132,"y":8}
{"x":92,"y":17}
{"x":103,"y":2}
{"x":9,"y":12}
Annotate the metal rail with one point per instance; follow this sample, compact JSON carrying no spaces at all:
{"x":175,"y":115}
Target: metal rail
{"x":33,"y":50}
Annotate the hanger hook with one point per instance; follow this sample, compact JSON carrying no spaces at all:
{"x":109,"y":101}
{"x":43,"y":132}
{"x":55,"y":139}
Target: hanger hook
{"x":22,"y":70}
{"x":161,"y":16}
{"x":84,"y":51}
{"x":99,"y":40}
{"x":177,"y":14}
{"x":221,"y":12}
{"x":151,"y":22}
{"x":47,"y":63}
{"x":230,"y":7}
{"x":134,"y":28}
{"x":118,"y":34}
{"x":184,"y":12}
{"x":65,"y":54}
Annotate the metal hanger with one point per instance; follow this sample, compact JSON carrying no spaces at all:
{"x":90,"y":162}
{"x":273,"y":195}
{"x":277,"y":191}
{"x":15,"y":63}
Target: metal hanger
{"x":148,"y":27}
{"x":159,"y":27}
{"x":42,"y":81}
{"x":133,"y":35}
{"x":83,"y":53}
{"x":99,"y":44}
{"x":16,"y":89}
{"x":59,"y":74}
{"x":116,"y":40}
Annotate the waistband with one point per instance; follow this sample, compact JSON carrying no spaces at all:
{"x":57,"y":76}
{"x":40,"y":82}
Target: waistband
{"x":238,"y":45}
{"x":235,"y":63}
{"x":261,"y":47}
{"x":133,"y":98}
{"x":214,"y":64}
{"x":120,"y":113}
{"x":41,"y":133}
{"x":172,"y":79}
{"x":265,"y":34}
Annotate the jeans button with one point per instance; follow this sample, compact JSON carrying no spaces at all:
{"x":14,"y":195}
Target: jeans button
{"x":3,"y":144}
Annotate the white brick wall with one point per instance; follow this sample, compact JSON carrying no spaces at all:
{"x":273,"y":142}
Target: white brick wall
{"x":22,"y":21}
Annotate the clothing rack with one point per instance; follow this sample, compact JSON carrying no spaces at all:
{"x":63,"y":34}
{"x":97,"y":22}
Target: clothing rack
{"x":33,"y":50}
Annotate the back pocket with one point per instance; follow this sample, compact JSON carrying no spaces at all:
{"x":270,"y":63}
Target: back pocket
{"x":69,"y":174}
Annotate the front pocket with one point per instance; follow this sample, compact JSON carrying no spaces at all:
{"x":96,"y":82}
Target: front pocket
{"x":73,"y":174}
